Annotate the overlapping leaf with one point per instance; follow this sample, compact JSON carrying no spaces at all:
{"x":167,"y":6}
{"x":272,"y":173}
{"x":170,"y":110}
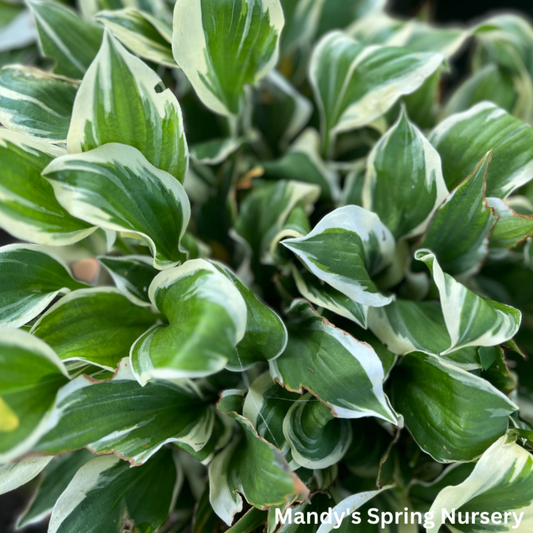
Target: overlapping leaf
{"x":122,"y":100}
{"x":107,"y":495}
{"x":28,"y":208}
{"x":464,"y":213}
{"x":32,"y":277}
{"x":345,"y":249}
{"x":135,"y":425}
{"x":132,"y":275}
{"x":452,"y":415}
{"x":252,"y":467}
{"x":207,"y":318}
{"x":344,"y":373}
{"x":224,"y":46}
{"x":14,"y":475}
{"x":470,"y":319}
{"x":502,"y":481}
{"x":354,"y":85}
{"x":404,"y":183}
{"x":95,"y":326}
{"x":35,"y":102}
{"x":144,"y":34}
{"x":31,"y":374}
{"x":463,"y":139}
{"x":116,"y":188}
{"x":64,"y":37}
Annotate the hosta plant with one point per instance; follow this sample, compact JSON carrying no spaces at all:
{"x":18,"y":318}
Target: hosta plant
{"x":315,"y":266}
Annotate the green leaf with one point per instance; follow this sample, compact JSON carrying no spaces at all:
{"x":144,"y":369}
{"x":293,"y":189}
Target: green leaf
{"x":120,"y":100}
{"x":35,"y":102}
{"x":135,"y":425}
{"x":280,"y":111}
{"x":249,"y":522}
{"x":502,"y":481}
{"x":116,"y":188}
{"x":301,"y":23}
{"x":265,"y":337}
{"x":341,"y":13}
{"x":345,"y":249}
{"x":405,"y":326}
{"x":207,"y":319}
{"x":322,"y":295}
{"x":144,"y":34}
{"x":224,"y":46}
{"x":510,"y":229}
{"x":342,"y":372}
{"x":265,"y":211}
{"x":132,"y":275}
{"x":452,"y":415}
{"x":63,"y":36}
{"x":479,"y":322}
{"x":96,"y":326}
{"x":317,"y":439}
{"x":57,"y":476}
{"x":252,"y":467}
{"x":205,"y":519}
{"x":106,"y":495}
{"x":28,"y":208}
{"x":302,"y":162}
{"x":266,"y":406}
{"x":30,"y":375}
{"x":463,"y":139}
{"x":465,"y":213}
{"x":354,"y":85}
{"x":216,"y":151}
{"x":14,"y":475}
{"x":404,"y":183}
{"x":32,"y":277}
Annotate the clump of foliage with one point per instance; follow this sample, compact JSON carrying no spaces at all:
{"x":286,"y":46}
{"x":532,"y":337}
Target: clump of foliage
{"x":316,"y":265}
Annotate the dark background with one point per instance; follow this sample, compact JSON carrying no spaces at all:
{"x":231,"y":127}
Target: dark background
{"x":440,"y":11}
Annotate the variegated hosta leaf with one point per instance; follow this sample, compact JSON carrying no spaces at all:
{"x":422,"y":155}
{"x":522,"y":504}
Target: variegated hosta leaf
{"x":342,"y":372}
{"x":132,"y":275}
{"x":345,"y":249}
{"x":106,"y":495}
{"x":96,"y":326}
{"x":116,"y":188}
{"x":405,"y":326}
{"x":404,"y":183}
{"x":354,"y":84}
{"x":470,"y":319}
{"x":502,"y":481}
{"x":280,"y":111}
{"x":32,"y":277}
{"x":30,"y":375}
{"x":510,"y":229}
{"x":57,"y":477}
{"x":14,"y":475}
{"x":28,"y":208}
{"x":466,"y":213}
{"x":224,"y":46}
{"x":119,"y":101}
{"x":265,"y":337}
{"x":266,"y":405}
{"x":452,"y":414}
{"x":217,"y":151}
{"x":64,"y":37}
{"x":90,"y":8}
{"x":322,"y":295}
{"x":207,"y":318}
{"x":252,"y":468}
{"x":144,"y":34}
{"x":301,"y":23}
{"x":303,"y":162}
{"x":317,"y":439}
{"x":135,"y":425}
{"x":463,"y":139}
{"x":35,"y":102}
{"x":265,"y":211}
{"x":16,"y":33}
